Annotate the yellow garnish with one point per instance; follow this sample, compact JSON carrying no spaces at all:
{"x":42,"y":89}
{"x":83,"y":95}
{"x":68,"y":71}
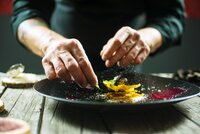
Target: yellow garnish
{"x":120,"y":87}
{"x":123,"y":92}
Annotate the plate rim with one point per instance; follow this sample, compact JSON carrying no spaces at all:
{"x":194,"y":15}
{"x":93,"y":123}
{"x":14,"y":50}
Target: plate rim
{"x":99,"y":103}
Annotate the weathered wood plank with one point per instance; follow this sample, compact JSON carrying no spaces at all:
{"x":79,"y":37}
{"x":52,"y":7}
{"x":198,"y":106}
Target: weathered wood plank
{"x":61,"y":118}
{"x":2,"y":89}
{"x":93,"y":123}
{"x":47,"y":127}
{"x":9,"y":98}
{"x":161,"y":120}
{"x":190,"y":108}
{"x":24,"y":104}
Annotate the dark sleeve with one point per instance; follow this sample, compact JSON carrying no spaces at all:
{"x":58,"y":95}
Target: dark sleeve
{"x":25,"y":9}
{"x":168,"y":17}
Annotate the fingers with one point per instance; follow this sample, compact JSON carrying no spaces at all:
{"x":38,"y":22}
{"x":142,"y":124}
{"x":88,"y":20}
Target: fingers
{"x":74,"y":69}
{"x":60,"y":69}
{"x":83,"y":61}
{"x":88,"y":72}
{"x":115,"y":43}
{"x":48,"y":69}
{"x":67,"y":60}
{"x":118,"y":47}
{"x":136,"y":55}
{"x":123,"y":50}
{"x":105,"y":46}
{"x":55,"y":69}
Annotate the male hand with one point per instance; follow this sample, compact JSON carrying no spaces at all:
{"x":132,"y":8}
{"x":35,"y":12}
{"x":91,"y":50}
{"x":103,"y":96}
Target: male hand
{"x":127,"y":47}
{"x":66,"y":59}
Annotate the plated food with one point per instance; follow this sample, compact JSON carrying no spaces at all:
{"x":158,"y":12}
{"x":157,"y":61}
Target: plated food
{"x":147,"y":90}
{"x":131,"y":93}
{"x":122,"y":92}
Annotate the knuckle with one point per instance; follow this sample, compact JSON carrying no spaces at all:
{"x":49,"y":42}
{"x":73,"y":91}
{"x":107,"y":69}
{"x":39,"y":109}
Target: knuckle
{"x":142,"y":43}
{"x":142,"y":59}
{"x":138,"y":61}
{"x":61,"y":45}
{"x":147,"y":49}
{"x":64,"y":55}
{"x":68,"y":60}
{"x":137,"y":36}
{"x":74,"y":43}
{"x":124,"y":49}
{"x":130,"y":57}
{"x":72,"y":66}
{"x":59,"y":70}
{"x":83,"y":62}
{"x":113,"y":60}
{"x":117,"y":41}
{"x":44,"y":60}
{"x":50,"y":75}
{"x":126,"y":28}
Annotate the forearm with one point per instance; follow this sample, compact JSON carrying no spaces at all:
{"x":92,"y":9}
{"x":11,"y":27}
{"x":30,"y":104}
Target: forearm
{"x":35,"y":35}
{"x":62,"y":58}
{"x":152,"y":37}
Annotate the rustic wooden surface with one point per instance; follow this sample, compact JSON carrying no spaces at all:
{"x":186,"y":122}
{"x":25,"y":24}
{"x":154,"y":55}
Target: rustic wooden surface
{"x":47,"y":116}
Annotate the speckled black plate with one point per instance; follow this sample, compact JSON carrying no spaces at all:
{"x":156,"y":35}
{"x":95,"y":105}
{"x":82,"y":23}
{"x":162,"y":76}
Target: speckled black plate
{"x":151,"y":86}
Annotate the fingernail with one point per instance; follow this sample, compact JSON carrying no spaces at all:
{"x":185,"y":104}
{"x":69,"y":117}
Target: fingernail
{"x":89,"y":86}
{"x":97,"y":86}
{"x":118,"y":64}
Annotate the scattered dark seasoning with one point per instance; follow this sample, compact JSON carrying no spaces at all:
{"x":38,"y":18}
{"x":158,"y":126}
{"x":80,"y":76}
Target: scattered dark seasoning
{"x":73,"y":92}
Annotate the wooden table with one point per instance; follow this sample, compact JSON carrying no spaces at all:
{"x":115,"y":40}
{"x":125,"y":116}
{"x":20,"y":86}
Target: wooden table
{"x":47,"y":116}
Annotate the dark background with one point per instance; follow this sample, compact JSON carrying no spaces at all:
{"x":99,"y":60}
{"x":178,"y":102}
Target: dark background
{"x":185,"y":56}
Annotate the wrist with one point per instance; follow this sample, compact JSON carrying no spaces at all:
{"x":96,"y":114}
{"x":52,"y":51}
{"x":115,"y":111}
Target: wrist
{"x":152,"y":37}
{"x":51,"y":38}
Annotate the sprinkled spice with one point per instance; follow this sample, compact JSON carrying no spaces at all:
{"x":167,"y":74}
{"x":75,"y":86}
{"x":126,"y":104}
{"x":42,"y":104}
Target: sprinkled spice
{"x":123,"y":92}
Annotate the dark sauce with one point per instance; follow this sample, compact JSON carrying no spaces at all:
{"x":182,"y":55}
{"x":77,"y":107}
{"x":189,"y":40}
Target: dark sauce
{"x":167,"y":94}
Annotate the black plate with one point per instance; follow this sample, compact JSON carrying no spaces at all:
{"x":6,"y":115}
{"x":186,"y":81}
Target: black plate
{"x":72,"y":94}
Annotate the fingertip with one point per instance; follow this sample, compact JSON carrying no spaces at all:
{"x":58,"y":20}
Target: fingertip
{"x":51,"y":77}
{"x":121,"y":64}
{"x":101,"y":52}
{"x":108,"y":63}
{"x":82,"y":84}
{"x":81,"y":81}
{"x":103,"y":57}
{"x":138,"y":60}
{"x":93,"y":83}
